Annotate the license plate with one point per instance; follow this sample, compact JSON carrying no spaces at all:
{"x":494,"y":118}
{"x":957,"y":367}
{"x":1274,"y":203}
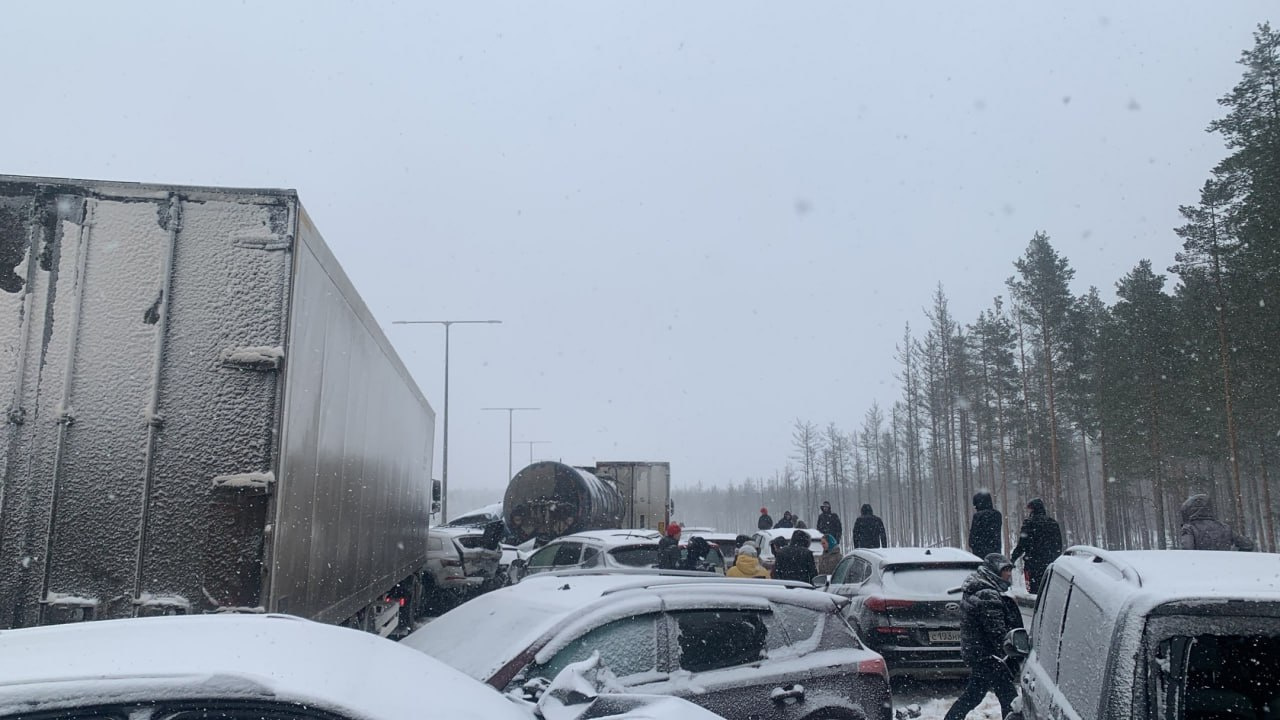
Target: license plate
{"x":944,"y":636}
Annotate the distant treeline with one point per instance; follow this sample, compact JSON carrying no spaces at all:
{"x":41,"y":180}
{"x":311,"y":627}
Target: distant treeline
{"x":1113,"y":414}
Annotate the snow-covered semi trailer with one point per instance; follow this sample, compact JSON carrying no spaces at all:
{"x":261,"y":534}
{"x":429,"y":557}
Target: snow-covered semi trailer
{"x":201,"y":413}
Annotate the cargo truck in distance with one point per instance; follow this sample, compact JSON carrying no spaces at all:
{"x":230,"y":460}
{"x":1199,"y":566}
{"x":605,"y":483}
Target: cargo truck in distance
{"x":549,"y":499}
{"x":202,"y":414}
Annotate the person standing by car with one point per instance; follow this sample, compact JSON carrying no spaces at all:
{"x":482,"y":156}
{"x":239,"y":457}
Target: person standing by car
{"x":786,"y":523}
{"x":829,"y":522}
{"x":1040,"y":541}
{"x":868,"y":530}
{"x":1201,"y":529}
{"x":987,"y":616}
{"x":831,"y":555}
{"x":765,"y":522}
{"x":747,"y":564}
{"x":985,"y":529}
{"x":669,"y":549}
{"x":795,"y":561}
{"x":696,"y":551}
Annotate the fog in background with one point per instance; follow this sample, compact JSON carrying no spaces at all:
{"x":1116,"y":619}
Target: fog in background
{"x":697,"y":222}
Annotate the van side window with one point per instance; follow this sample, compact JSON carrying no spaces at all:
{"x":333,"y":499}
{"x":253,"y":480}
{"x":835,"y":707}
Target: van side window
{"x":1080,"y":664}
{"x":1049,"y":617}
{"x":714,"y":639}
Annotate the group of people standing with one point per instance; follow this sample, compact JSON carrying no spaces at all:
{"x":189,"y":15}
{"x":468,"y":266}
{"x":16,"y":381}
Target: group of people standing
{"x":868,"y":530}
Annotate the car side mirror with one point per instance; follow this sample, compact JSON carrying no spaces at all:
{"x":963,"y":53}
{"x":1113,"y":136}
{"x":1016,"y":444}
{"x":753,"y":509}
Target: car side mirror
{"x":822,"y":581}
{"x":1017,"y":643}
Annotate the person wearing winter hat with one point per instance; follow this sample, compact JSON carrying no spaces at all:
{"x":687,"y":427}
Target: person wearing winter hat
{"x":830,"y":556}
{"x":987,"y":615}
{"x":1040,"y":541}
{"x":765,"y":522}
{"x":747,"y":564}
{"x":669,"y":548}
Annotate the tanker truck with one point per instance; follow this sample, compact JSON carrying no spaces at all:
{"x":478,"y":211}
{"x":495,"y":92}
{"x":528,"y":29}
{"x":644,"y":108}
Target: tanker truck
{"x":203,"y":415}
{"x":549,"y":499}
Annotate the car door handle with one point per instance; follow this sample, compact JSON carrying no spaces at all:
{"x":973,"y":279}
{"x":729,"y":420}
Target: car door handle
{"x":787,"y":692}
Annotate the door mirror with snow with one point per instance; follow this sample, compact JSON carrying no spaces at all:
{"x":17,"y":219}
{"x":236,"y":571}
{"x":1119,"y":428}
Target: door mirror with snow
{"x":1017,"y":643}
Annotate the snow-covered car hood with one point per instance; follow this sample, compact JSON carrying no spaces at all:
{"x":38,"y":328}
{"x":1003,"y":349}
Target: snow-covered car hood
{"x":275,"y":658}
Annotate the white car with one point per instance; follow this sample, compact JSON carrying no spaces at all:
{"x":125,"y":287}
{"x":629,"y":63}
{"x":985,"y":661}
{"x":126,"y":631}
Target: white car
{"x":236,"y":667}
{"x":762,"y":538}
{"x":596,"y":549}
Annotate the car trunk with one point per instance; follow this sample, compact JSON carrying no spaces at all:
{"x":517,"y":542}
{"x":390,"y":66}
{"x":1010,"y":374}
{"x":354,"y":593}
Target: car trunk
{"x":478,"y":560}
{"x":918,"y":607}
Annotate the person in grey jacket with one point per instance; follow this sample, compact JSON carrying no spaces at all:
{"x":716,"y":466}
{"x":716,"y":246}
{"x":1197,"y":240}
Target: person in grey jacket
{"x":1201,"y":529}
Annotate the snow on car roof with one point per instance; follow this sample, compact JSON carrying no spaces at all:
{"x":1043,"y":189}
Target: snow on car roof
{"x":615,"y":537}
{"x":1160,"y":576}
{"x":920,"y":555}
{"x":204,"y":657}
{"x":482,"y":635}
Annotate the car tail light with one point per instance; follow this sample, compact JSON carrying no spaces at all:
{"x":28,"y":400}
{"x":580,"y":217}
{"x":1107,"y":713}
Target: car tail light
{"x":452,"y":563}
{"x":878,"y":604}
{"x":875,"y":665}
{"x":892,"y":630}
{"x":403,"y":602}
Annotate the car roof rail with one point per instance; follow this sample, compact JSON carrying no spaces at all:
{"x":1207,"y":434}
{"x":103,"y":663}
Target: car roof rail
{"x":1099,"y":555}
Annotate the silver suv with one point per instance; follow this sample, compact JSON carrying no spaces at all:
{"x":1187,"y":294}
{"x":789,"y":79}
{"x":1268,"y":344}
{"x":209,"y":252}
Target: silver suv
{"x":461,"y":562}
{"x":1155,"y":634}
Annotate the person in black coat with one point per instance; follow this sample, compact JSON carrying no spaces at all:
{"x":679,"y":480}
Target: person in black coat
{"x":1040,"y":541}
{"x":829,"y":522}
{"x":786,"y":522}
{"x":765,"y":522}
{"x":669,"y":549}
{"x":985,"y":529}
{"x":795,"y":561}
{"x":987,"y":615}
{"x":868,"y":530}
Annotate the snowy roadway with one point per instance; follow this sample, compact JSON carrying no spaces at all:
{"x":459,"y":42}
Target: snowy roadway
{"x":934,"y":697}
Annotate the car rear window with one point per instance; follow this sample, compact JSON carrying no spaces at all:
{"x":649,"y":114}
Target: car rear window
{"x":927,"y":579}
{"x":636,"y":555}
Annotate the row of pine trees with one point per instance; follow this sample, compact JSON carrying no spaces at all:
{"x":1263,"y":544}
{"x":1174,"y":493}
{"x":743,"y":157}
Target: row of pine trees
{"x":1113,"y":414}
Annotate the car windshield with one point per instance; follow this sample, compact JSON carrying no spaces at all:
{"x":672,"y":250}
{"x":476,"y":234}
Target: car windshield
{"x":636,"y":555}
{"x":926,"y":579}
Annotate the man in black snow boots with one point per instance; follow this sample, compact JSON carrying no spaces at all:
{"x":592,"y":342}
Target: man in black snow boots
{"x":1201,"y":529}
{"x":988,"y":615}
{"x":985,"y":530}
{"x":1040,"y":540}
{"x":829,"y":522}
{"x":868,"y":530}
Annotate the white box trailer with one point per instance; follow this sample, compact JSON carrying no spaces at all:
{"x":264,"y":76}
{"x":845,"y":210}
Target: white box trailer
{"x":645,"y":488}
{"x":202,"y":415}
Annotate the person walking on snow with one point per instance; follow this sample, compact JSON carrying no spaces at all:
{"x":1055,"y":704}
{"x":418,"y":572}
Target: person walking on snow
{"x":829,"y":522}
{"x":985,"y":529}
{"x":987,"y":616}
{"x":868,"y":530}
{"x":1201,"y":529}
{"x":765,"y":522}
{"x":747,"y":565}
{"x":795,"y":561}
{"x":669,"y":549}
{"x":1040,"y":540}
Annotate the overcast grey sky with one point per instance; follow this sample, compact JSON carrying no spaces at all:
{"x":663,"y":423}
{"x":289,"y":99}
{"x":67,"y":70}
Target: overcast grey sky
{"x":698,"y":221}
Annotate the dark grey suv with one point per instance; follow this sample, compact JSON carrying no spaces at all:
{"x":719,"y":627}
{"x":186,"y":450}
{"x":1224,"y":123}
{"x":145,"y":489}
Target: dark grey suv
{"x":1162,"y":634}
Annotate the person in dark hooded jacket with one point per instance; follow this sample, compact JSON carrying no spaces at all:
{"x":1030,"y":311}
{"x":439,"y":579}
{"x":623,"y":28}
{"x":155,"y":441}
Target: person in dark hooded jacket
{"x":1040,"y":540}
{"x":987,"y":616}
{"x":795,"y":561}
{"x":787,"y":521}
{"x":829,"y":522}
{"x":868,"y":530}
{"x":766,"y":521}
{"x":985,"y":529}
{"x":1201,"y":529}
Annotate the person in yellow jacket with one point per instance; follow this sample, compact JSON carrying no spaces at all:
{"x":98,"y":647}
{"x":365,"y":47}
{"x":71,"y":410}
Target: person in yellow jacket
{"x":747,"y":564}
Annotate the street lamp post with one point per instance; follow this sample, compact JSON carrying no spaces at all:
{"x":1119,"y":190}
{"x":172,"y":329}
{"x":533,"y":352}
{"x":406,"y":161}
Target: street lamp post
{"x":444,"y":473}
{"x":510,"y":411}
{"x":531,"y":443}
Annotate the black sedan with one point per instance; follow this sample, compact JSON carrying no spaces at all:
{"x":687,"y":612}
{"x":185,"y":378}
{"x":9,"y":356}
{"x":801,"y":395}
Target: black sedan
{"x":906,"y":605}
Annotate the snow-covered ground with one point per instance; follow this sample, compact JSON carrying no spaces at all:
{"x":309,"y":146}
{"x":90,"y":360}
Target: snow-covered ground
{"x":932,"y":699}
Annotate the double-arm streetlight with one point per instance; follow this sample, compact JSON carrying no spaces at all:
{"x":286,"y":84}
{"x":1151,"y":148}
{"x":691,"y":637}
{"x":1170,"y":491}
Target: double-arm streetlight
{"x":531,"y":443}
{"x":444,"y":473}
{"x":510,"y":411}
